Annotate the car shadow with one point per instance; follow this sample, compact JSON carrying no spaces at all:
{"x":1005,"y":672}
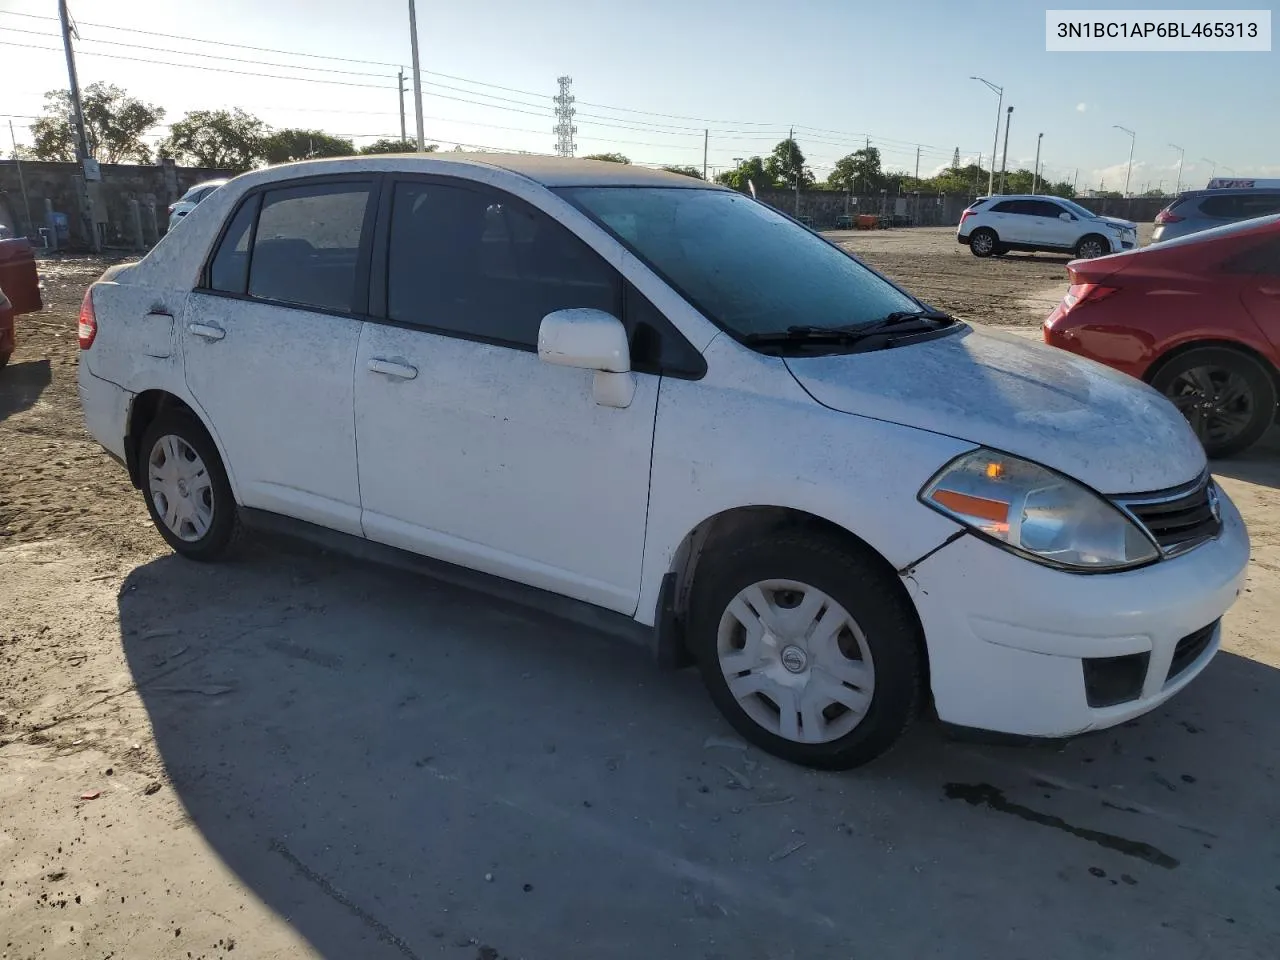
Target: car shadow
{"x":1048,"y":258}
{"x":1259,"y":464}
{"x":401,"y":768}
{"x":21,"y":384}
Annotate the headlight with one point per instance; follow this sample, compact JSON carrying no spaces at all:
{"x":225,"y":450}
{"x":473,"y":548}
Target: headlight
{"x":1037,"y":513}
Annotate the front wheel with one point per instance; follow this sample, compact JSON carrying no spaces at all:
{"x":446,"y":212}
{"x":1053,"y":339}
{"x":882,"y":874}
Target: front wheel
{"x":808,"y":648}
{"x":1228,"y":397}
{"x":188,"y":495}
{"x":1092,"y":247}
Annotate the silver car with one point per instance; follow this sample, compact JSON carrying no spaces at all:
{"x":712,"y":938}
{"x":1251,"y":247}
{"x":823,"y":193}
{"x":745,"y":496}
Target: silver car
{"x":1198,"y":210}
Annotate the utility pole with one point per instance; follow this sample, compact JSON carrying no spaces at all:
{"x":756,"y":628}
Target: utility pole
{"x":1182,"y":154}
{"x":1075,"y":181}
{"x":995,"y":140}
{"x":1004,"y":159}
{"x":1213,"y":164}
{"x":22,"y":183}
{"x":403,"y":134}
{"x":1035,"y":177}
{"x":88,"y":228}
{"x":706,"y":135}
{"x":791,"y":140}
{"x":1133,"y":137}
{"x":976,"y":171}
{"x":417,"y":73}
{"x":917,"y":161}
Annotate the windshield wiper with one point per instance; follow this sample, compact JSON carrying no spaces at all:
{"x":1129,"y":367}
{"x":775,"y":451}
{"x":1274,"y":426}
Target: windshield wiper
{"x":921,"y":320}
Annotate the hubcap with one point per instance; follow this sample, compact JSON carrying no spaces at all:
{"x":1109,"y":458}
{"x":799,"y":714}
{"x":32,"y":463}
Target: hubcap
{"x":1091,"y":250}
{"x":983,"y":242}
{"x":1216,"y":402}
{"x":796,"y":661}
{"x":180,"y":488}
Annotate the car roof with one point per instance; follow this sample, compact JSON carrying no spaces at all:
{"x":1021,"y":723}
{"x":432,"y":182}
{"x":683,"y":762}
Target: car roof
{"x":548,"y":171}
{"x":1228,"y":192}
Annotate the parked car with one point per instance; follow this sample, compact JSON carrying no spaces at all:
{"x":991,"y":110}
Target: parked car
{"x":996,"y":225}
{"x":188,"y":201}
{"x":1198,"y":318}
{"x":1198,"y":210}
{"x":664,"y":403}
{"x":19,"y":290}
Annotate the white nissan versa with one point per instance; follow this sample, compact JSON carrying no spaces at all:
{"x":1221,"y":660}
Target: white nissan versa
{"x":671,"y":404}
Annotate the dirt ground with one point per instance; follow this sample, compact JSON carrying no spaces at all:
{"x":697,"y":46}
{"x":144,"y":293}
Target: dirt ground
{"x":301,"y":755}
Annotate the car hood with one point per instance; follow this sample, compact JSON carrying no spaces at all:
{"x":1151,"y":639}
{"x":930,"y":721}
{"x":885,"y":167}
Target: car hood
{"x":998,"y":390}
{"x":1117,"y":222}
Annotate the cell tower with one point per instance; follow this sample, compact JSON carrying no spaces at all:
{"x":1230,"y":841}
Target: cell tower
{"x":955,"y":159}
{"x":564,"y":128}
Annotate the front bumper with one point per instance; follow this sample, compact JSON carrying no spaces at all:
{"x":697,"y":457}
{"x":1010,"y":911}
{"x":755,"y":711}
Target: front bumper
{"x":1008,"y":638}
{"x":106,"y":410}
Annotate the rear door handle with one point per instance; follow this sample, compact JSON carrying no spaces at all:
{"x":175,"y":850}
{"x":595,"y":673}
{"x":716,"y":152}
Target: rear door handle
{"x":390,"y":368}
{"x":207,"y":330}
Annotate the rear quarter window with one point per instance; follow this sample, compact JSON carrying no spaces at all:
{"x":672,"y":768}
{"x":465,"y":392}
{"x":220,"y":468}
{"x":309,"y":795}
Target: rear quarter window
{"x":1224,"y":208}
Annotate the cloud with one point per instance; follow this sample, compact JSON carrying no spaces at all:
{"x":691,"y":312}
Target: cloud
{"x":1081,"y":107}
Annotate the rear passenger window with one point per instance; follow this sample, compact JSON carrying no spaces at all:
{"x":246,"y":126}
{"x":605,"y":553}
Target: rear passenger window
{"x":229,"y":271}
{"x":1226,"y":208}
{"x":1007,"y":206}
{"x":478,"y":263}
{"x":307,"y":245}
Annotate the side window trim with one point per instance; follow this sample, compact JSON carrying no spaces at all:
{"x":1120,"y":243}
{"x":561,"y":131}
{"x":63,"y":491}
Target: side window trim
{"x":361,"y":297}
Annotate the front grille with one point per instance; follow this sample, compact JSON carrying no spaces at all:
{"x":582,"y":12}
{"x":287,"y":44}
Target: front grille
{"x":1189,"y":649}
{"x":1178,"y":519}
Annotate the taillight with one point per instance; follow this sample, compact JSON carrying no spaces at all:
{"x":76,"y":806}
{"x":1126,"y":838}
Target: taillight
{"x":171,"y":206}
{"x":965,"y":216}
{"x":1079,"y":293}
{"x":1167,"y":216}
{"x":88,"y":328}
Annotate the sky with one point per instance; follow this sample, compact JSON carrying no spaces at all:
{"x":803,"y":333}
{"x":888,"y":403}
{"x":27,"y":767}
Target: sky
{"x":650,"y":78}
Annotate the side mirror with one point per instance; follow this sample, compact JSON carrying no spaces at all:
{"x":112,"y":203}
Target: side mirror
{"x":591,"y":339}
{"x":1065,"y":216}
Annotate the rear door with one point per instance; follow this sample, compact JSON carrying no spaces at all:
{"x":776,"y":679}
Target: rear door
{"x":270,"y":341}
{"x":1010,"y":221}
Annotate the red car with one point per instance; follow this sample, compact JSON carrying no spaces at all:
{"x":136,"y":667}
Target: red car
{"x":1198,"y":318}
{"x":19,"y":290}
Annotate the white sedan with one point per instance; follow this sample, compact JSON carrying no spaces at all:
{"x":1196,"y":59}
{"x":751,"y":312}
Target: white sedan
{"x":645,"y":397}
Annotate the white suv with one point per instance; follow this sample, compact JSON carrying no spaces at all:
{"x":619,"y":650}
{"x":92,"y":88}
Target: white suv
{"x":664,"y":404}
{"x":996,"y":225}
{"x":189,"y":200}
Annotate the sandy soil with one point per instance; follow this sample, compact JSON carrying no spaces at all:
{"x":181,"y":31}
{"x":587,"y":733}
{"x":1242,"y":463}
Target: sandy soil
{"x":298,"y":755}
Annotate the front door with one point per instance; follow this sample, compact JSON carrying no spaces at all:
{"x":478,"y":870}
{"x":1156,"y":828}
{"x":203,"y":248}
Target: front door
{"x":270,"y":342}
{"x":473,"y":450}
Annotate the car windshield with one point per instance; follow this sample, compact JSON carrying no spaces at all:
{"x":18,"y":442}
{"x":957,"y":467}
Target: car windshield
{"x":746,"y":267}
{"x":1075,"y":208}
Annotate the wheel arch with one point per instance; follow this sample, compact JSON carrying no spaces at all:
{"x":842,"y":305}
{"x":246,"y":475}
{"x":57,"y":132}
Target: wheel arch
{"x":731,"y":526}
{"x":143,"y":410}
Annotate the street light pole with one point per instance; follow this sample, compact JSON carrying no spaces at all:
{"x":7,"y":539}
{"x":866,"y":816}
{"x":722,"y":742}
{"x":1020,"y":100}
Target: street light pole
{"x":1004,"y":158}
{"x":1182,"y":154}
{"x":995,"y":139}
{"x":417,"y":73}
{"x":1213,"y":166}
{"x":1035,"y":177}
{"x":1133,"y":137}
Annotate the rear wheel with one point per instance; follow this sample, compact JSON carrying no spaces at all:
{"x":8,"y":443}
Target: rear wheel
{"x":982,"y":242}
{"x":1228,"y":397}
{"x":808,"y":648}
{"x":1092,"y":246}
{"x":188,"y":496}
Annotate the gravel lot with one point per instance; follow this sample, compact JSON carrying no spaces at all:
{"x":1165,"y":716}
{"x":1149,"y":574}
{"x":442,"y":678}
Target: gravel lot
{"x":300,"y":755}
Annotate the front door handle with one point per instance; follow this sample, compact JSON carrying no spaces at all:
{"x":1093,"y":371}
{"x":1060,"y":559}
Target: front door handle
{"x":390,"y":368}
{"x":206,"y":330}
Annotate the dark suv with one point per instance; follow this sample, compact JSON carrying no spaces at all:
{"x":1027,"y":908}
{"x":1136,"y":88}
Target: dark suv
{"x":1198,"y":210}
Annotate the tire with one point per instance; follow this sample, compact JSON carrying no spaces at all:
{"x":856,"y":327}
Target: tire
{"x":182,"y":477}
{"x":1092,"y":246}
{"x":874,"y":644}
{"x":1228,"y":397}
{"x":982,"y":242}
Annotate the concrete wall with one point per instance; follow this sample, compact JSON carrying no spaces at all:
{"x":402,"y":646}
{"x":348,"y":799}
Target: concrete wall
{"x":825,"y":207}
{"x":1137,"y":209}
{"x":153,"y":186}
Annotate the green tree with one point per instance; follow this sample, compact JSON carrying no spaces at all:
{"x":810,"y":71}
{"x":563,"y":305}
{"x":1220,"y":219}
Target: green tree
{"x":292,"y":143}
{"x":859,"y":171}
{"x":610,"y":157}
{"x":114,"y":124}
{"x":785,"y":166}
{"x":751,"y":169}
{"x":225,"y":139}
{"x":685,"y":171}
{"x":1017,"y":181}
{"x":398,"y":146}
